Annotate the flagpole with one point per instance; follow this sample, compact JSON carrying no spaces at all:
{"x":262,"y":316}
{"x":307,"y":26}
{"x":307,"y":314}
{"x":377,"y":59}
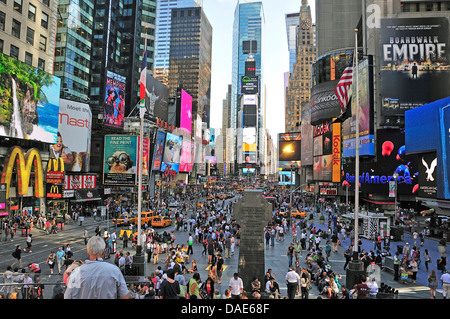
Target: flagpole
{"x":355,"y":72}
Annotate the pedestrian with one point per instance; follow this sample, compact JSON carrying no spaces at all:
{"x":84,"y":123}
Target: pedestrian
{"x":397,"y":262}
{"x":445,"y":280}
{"x":414,"y":269}
{"x":292,"y":283}
{"x":190,"y":244}
{"x":441,"y":263}
{"x":220,"y":268}
{"x":96,"y":279}
{"x":348,"y":255}
{"x":17,"y":254}
{"x":169,"y":288}
{"x":60,"y":256}
{"x":85,"y":236}
{"x":236,"y":286}
{"x":432,"y":283}
{"x":29,"y":241}
{"x":427,"y":258}
{"x":51,"y":261}
{"x":290,"y":254}
{"x":125,"y":239}
{"x":327,"y":250}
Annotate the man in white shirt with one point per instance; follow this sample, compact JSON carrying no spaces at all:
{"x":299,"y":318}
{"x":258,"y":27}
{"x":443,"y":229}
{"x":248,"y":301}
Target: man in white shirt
{"x":373,"y":289}
{"x":445,"y":279}
{"x":292,"y":281}
{"x":236,"y":286}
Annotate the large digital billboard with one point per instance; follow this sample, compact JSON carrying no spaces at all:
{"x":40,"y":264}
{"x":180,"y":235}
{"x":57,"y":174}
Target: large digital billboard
{"x":391,"y":158}
{"x":414,"y":64}
{"x":187,"y":155}
{"x":324,"y":102}
{"x":114,"y":102}
{"x":156,"y":98}
{"x":172,"y":152}
{"x":249,"y":145}
{"x":184,"y":111}
{"x":289,"y":149}
{"x":29,"y":101}
{"x":73,"y":142}
{"x":158,"y":151}
{"x":323,"y":151}
{"x":120,"y":160}
{"x":365,"y":99}
{"x":249,"y":85}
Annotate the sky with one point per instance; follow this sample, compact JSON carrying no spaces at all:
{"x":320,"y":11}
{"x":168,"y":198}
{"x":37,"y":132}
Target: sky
{"x":220,"y":14}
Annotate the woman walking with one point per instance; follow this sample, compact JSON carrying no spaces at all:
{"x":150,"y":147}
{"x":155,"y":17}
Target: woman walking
{"x":17,"y":256}
{"x":427,"y":258}
{"x":432,"y":283}
{"x":51,"y":260}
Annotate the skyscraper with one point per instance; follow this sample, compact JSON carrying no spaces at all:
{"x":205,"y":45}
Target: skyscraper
{"x":298,"y":90}
{"x":292,"y":22}
{"x":163,"y":28}
{"x":190,"y":58}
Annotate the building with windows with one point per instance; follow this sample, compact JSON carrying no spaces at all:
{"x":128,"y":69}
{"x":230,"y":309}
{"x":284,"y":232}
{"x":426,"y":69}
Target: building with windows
{"x":298,"y":89}
{"x":190,"y":58}
{"x":163,"y":27}
{"x":27,"y":31}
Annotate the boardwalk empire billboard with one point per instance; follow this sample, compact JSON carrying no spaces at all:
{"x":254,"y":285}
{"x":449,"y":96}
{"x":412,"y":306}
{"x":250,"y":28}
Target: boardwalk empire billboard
{"x":415,"y":67}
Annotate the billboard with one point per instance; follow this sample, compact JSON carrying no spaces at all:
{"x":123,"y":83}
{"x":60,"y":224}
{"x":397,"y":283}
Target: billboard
{"x":158,"y":151}
{"x":391,"y":158}
{"x":114,"y":102}
{"x":156,"y":98}
{"x":29,"y":101}
{"x":80,"y":181}
{"x":414,"y":66}
{"x":73,"y":143}
{"x":365,"y":99}
{"x":250,"y":68}
{"x":250,"y":116}
{"x":184,"y":113}
{"x":307,"y":131}
{"x":289,"y":149}
{"x":249,"y":85}
{"x":324,"y":102}
{"x":249,"y":144}
{"x":286,"y":178}
{"x":323,"y":151}
{"x":23,"y":164}
{"x":428,"y":175}
{"x":187,"y":155}
{"x":172,"y":152}
{"x":120,"y":160}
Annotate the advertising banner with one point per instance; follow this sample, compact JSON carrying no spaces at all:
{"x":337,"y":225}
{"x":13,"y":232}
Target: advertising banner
{"x":249,"y":144}
{"x":156,"y":98}
{"x":172,"y":148}
{"x":73,"y":143}
{"x":185,"y":112}
{"x":120,"y":160}
{"x":414,"y":64}
{"x":365,"y":99}
{"x":391,"y":158}
{"x":323,"y":151}
{"x":249,"y":85}
{"x":307,"y":136}
{"x":29,"y":101}
{"x":187,"y":155}
{"x":336,"y":152}
{"x":114,"y":102}
{"x":145,"y":160}
{"x":324,"y":102}
{"x":80,"y":181}
{"x":158,"y":151}
{"x":428,"y":175}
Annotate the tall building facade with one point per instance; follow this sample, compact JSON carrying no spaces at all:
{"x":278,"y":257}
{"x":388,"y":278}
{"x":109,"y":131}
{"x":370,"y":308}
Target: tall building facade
{"x":190,"y":58}
{"x":27,"y":31}
{"x":298,"y":90}
{"x":73,"y":48}
{"x":163,"y":28}
{"x":247,"y":62}
{"x":292,"y":23}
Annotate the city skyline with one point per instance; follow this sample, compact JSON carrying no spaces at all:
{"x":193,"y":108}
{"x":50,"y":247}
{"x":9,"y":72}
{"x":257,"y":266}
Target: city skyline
{"x":221,"y":15}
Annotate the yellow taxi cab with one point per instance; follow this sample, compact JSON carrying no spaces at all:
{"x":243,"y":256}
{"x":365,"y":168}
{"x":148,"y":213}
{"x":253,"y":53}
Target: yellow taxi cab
{"x":145,"y":217}
{"x":222,"y":196}
{"x":210,"y":197}
{"x":298,"y":214}
{"x":161,"y":221}
{"x":120,"y":220}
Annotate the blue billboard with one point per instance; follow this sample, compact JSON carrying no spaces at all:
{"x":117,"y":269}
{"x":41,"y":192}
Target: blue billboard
{"x":427,"y":129}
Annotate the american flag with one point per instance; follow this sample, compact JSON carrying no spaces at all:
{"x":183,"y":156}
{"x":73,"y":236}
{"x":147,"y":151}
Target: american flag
{"x":344,"y":84}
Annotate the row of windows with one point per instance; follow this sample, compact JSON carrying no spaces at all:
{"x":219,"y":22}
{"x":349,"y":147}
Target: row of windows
{"x":16,"y":31}
{"x":429,"y":6}
{"x":31,"y":13}
{"x":14,"y":53}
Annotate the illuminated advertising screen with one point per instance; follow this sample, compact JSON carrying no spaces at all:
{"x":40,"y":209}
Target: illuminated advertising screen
{"x":187,"y":155}
{"x":120,"y":160}
{"x":249,"y":145}
{"x":365,"y":99}
{"x":158,"y":151}
{"x":73,"y":143}
{"x":323,"y":151}
{"x":172,"y":153}
{"x":391,"y":158}
{"x":428,"y":175}
{"x":289,"y":149}
{"x":414,"y":66}
{"x":185,"y":112}
{"x":250,"y":68}
{"x":114,"y":102}
{"x":249,"y":85}
{"x":156,"y":97}
{"x":307,"y":136}
{"x":286,"y":178}
{"x":29,"y":101}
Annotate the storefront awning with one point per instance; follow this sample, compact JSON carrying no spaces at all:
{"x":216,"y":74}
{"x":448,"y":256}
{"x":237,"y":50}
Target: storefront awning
{"x":84,"y":195}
